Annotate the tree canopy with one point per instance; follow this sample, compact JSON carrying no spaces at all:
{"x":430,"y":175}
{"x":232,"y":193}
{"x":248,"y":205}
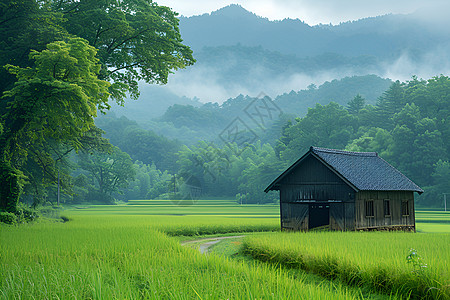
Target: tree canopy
{"x":61,"y":63}
{"x":136,"y":40}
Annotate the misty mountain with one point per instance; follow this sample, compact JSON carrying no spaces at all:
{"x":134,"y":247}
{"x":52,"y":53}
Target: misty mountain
{"x":153,"y":102}
{"x":384,"y":36}
{"x":240,"y":53}
{"x":239,"y":68}
{"x":190,"y":124}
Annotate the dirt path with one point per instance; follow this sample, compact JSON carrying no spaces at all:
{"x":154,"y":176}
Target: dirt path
{"x":206,"y":243}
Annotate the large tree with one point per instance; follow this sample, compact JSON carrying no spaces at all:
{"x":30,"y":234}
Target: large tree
{"x":136,"y":39}
{"x":108,"y":171}
{"x":51,"y":96}
{"x":55,"y":99}
{"x":51,"y":108}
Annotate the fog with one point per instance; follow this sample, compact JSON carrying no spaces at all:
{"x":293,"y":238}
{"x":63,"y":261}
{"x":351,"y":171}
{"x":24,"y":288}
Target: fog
{"x":315,"y":12}
{"x":208,"y":85}
{"x":212,"y":82}
{"x":432,"y":64}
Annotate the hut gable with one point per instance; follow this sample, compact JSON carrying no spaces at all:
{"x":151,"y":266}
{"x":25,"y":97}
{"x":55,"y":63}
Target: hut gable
{"x":363,"y":171}
{"x":345,"y":191}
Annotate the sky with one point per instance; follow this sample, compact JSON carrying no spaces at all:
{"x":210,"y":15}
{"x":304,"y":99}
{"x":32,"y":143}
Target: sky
{"x":313,"y":12}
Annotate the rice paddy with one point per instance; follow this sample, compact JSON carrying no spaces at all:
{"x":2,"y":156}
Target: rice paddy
{"x":131,"y":251}
{"x":409,"y":264}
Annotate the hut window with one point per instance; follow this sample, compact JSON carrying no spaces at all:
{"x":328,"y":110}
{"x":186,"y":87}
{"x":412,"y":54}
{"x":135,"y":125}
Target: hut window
{"x":369,"y":208}
{"x":405,"y":208}
{"x":387,"y":208}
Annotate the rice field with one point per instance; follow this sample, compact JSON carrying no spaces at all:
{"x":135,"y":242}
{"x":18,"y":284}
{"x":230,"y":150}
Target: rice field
{"x":416,"y":265}
{"x":132,"y":251}
{"x":104,"y":255}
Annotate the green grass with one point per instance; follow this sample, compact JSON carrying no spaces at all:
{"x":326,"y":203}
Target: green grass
{"x":429,"y":221}
{"x":373,"y":259}
{"x":132,"y":251}
{"x":233,"y":248}
{"x":426,"y":220}
{"x":104,"y":256}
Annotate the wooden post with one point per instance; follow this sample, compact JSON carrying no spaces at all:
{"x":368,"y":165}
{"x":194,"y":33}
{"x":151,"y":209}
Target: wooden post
{"x":445,"y":201}
{"x":58,"y":188}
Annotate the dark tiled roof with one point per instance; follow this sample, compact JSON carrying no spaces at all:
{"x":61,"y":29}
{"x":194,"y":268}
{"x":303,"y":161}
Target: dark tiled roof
{"x":366,"y":170}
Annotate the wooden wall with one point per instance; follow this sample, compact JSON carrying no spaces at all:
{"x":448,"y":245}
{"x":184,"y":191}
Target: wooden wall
{"x":342,"y":216}
{"x":294,"y":216}
{"x":379,"y":219}
{"x":313,"y":183}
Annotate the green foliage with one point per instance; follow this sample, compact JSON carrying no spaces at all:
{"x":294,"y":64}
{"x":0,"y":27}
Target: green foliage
{"x":58,"y":97}
{"x":25,"y":25}
{"x":10,"y":188}
{"x":356,"y":105}
{"x":27,"y":214}
{"x":149,"y":183}
{"x":230,"y":171}
{"x":440,"y":184}
{"x":329,"y":126}
{"x":137,"y":40}
{"x":108,"y":173}
{"x":8,"y":218}
{"x":142,"y":145}
{"x":413,"y":258}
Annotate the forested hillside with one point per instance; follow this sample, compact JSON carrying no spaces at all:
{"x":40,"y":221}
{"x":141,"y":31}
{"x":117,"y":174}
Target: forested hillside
{"x":193,"y":121}
{"x":409,"y":126}
{"x":233,"y":147}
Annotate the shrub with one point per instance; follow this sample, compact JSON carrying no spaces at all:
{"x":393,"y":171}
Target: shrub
{"x":25,"y":213}
{"x":65,"y":219}
{"x":8,"y":218}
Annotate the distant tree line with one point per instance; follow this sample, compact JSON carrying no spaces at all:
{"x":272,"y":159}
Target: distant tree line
{"x":408,"y":126}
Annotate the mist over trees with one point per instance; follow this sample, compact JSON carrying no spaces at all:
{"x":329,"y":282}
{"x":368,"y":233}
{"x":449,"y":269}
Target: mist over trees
{"x":59,"y":73}
{"x":408,"y":126}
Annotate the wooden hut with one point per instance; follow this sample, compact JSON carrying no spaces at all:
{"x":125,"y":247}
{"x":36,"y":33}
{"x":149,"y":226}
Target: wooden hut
{"x":344,"y":191}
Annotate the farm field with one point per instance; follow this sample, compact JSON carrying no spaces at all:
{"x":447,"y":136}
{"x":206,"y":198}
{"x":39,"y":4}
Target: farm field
{"x":129,"y":251}
{"x":375,"y":259}
{"x":427,"y":221}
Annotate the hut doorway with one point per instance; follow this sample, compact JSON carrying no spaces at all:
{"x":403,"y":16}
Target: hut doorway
{"x":319,"y":215}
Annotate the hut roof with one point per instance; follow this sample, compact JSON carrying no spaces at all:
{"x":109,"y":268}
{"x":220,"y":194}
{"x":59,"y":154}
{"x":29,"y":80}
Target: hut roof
{"x":363,"y":171}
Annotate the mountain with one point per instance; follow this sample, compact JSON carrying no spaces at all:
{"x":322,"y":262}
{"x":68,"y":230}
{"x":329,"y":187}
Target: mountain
{"x":152,"y":103}
{"x":240,"y":53}
{"x":190,"y":124}
{"x":233,"y":24}
{"x":383,"y":36}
